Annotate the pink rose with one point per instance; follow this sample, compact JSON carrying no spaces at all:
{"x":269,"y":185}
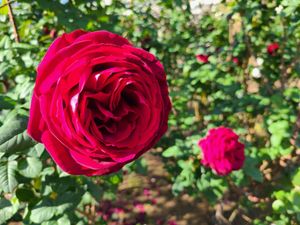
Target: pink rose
{"x":98,"y":102}
{"x":139,"y":207}
{"x":146,"y":192}
{"x":222,"y":151}
{"x":202,"y":58}
{"x":272,"y":48}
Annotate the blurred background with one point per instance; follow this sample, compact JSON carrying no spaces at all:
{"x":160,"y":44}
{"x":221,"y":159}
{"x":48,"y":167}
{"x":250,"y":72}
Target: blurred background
{"x":231,"y":63}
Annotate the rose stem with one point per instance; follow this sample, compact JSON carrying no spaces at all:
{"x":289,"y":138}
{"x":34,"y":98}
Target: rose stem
{"x":13,"y":22}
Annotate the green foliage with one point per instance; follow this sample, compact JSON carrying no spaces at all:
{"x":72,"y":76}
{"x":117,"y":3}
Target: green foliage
{"x":261,"y":107}
{"x":8,"y":179}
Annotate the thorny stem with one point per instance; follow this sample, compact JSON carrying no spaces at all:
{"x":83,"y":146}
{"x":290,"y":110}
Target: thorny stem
{"x":13,"y":22}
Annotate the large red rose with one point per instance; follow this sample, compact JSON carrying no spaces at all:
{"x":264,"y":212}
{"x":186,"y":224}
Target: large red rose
{"x":222,"y":151}
{"x":98,"y":102}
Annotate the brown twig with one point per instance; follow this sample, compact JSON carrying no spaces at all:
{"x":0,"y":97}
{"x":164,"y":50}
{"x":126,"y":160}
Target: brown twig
{"x":221,"y":219}
{"x":13,"y":22}
{"x":250,"y":54}
{"x":2,"y":6}
{"x":91,"y":218}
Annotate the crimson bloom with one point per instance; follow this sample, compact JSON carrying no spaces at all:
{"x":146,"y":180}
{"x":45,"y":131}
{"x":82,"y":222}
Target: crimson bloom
{"x":222,"y":151}
{"x":272,"y":48}
{"x":98,"y":102}
{"x":202,"y":58}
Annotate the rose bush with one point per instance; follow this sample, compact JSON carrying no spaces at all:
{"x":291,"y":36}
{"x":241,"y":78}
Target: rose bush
{"x":258,"y":98}
{"x":222,"y":151}
{"x":98,"y":102}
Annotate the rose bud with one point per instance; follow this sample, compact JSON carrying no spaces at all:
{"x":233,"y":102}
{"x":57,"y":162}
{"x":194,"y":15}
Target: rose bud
{"x":202,"y":58}
{"x":272,"y":48}
{"x":46,"y":30}
{"x":221,"y":151}
{"x":98,"y":102}
{"x":53,"y":33}
{"x":146,"y":43}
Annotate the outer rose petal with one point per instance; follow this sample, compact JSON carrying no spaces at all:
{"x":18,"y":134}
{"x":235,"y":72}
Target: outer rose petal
{"x":62,"y":157}
{"x":104,"y":37}
{"x":59,"y":43}
{"x":36,"y":124}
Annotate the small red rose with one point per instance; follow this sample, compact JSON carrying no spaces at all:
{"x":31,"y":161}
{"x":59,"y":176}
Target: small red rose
{"x":235,"y":60}
{"x":98,"y":102}
{"x":202,"y":58}
{"x":222,"y":151}
{"x":272,"y":48}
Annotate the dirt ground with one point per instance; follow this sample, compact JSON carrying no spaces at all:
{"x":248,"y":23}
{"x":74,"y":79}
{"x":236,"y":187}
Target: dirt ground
{"x":149,"y":200}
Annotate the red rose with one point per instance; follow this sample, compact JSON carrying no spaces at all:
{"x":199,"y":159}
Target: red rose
{"x":202,"y":58}
{"x":222,"y":151}
{"x":98,"y":102}
{"x":235,"y":60}
{"x":272,"y":48}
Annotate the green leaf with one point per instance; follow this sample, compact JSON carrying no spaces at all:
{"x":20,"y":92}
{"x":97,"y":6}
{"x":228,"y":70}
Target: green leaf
{"x":293,"y":94}
{"x":42,"y":212}
{"x":251,"y":170}
{"x":51,"y":222}
{"x":17,"y":143}
{"x":39,"y":149}
{"x":296,"y":199}
{"x":25,"y":194}
{"x":30,"y":167}
{"x":6,"y":102}
{"x":95,"y":190}
{"x":7,"y":210}
{"x":278,"y":205}
{"x":3,"y":9}
{"x":8,"y":180}
{"x":172,"y":152}
{"x":11,"y":128}
{"x":296,"y":178}
{"x":63,"y":221}
{"x":14,"y":137}
{"x":279,"y":130}
{"x":67,"y":201}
